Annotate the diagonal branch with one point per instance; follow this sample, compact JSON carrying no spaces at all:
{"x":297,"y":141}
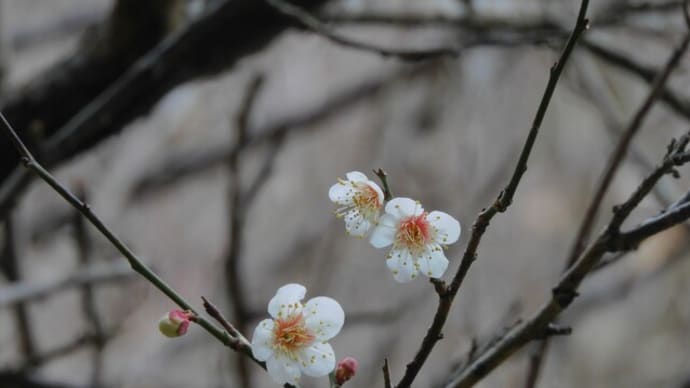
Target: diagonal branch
{"x":134,"y":261}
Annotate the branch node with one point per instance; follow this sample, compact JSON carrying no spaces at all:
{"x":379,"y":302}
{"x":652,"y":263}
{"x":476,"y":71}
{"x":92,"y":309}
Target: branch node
{"x":440,"y":286}
{"x":564,"y":296}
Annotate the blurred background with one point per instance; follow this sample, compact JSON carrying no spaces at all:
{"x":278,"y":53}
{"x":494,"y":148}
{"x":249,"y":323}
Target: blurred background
{"x":207,"y":136}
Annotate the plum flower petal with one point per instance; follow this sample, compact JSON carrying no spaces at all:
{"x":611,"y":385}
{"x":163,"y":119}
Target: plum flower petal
{"x":287,"y":298}
{"x":359,"y":202}
{"x":283,"y":370}
{"x":417,"y":238}
{"x":293,"y":341}
{"x":447,"y":227}
{"x":384,"y":235}
{"x":262,"y":341}
{"x":317,"y":360}
{"x":324,"y":317}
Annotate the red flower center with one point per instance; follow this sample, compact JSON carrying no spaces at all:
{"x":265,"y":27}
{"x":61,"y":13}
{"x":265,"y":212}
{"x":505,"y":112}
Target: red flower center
{"x":413,"y":233}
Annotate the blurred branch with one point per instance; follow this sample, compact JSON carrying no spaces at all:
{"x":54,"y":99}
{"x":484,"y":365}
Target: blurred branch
{"x":622,"y":212}
{"x":14,"y":379}
{"x":189,"y":53}
{"x":94,"y":274}
{"x":236,"y":217}
{"x":88,"y":299}
{"x":106,"y":52}
{"x":10,"y":267}
{"x":504,"y":199}
{"x":611,"y":239}
{"x":621,"y":149}
{"x":70,"y":347}
{"x":313,"y":24}
{"x":62,"y":26}
{"x":677,"y":103}
{"x":179,"y":166}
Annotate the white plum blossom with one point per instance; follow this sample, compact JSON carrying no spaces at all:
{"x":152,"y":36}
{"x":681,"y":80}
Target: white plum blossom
{"x":418,"y":239}
{"x":359,"y":202}
{"x":294,"y":340}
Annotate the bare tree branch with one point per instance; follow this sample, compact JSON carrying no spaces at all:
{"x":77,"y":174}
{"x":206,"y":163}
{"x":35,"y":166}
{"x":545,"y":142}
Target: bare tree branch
{"x":504,"y":199}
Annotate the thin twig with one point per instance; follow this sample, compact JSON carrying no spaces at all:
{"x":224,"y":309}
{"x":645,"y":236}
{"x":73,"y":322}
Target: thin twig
{"x":447,"y":293}
{"x":313,"y":24}
{"x":213,"y":311}
{"x":383,"y":176}
{"x":386,"y":374}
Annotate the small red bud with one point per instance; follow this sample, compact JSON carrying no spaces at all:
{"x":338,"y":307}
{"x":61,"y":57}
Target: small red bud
{"x":346,"y":368}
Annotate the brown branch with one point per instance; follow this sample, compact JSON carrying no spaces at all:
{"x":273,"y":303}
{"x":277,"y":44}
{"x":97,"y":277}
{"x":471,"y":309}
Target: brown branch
{"x":447,"y":293}
{"x":313,"y":24}
{"x":564,"y":293}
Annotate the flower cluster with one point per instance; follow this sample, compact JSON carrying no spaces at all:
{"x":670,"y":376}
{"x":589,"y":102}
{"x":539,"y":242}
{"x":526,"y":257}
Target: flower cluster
{"x":294,"y":340}
{"x":417,"y":237}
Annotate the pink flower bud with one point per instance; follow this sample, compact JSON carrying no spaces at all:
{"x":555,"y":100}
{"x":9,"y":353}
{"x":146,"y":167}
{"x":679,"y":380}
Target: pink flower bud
{"x":174,"y":323}
{"x":346,"y":368}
